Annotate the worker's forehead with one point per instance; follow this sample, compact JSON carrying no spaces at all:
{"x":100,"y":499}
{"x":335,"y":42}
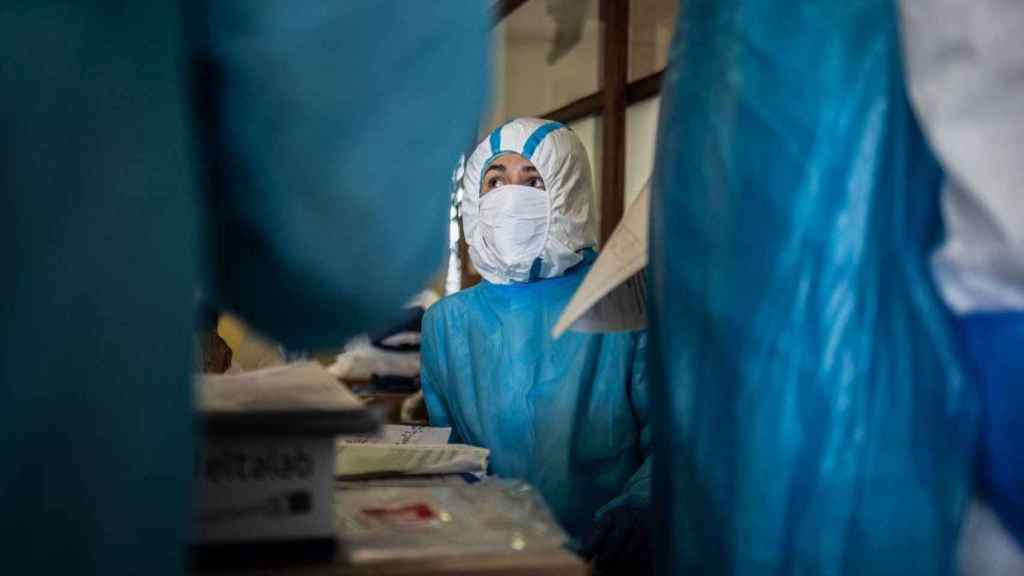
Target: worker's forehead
{"x":511,"y":161}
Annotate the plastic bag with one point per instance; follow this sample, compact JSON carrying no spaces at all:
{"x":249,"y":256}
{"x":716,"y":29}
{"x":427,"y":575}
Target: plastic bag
{"x":811,"y":409}
{"x":414,"y":523}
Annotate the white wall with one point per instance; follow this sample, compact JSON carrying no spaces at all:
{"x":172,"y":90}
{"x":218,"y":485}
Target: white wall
{"x":641,"y":131}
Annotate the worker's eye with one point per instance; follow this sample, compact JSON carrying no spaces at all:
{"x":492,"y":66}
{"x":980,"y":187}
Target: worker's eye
{"x":494,"y":182}
{"x":536,"y":182}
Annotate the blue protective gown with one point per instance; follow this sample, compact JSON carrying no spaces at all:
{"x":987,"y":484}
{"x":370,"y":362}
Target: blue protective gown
{"x":568,"y":415}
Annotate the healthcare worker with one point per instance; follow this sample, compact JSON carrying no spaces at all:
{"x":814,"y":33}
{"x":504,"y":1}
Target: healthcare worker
{"x":568,"y":415}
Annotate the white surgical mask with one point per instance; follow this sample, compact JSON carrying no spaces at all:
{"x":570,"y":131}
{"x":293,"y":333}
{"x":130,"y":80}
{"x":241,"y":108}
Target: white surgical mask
{"x":513,"y":228}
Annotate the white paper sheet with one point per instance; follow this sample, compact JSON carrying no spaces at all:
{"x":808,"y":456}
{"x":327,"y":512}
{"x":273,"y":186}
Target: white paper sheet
{"x":612,"y":297}
{"x":370,"y":459}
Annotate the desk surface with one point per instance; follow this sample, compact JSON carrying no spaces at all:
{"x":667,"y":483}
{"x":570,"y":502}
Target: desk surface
{"x":551,"y":563}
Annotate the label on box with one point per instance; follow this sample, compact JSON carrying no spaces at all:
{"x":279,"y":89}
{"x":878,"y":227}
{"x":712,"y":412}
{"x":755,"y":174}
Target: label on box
{"x":273,"y":488}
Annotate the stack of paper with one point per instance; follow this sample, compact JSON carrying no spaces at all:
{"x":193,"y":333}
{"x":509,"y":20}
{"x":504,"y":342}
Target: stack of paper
{"x":407,"y":450}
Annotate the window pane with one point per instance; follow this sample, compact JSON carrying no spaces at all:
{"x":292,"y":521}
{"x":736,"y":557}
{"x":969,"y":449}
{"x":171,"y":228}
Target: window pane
{"x":589,"y":131}
{"x":641,"y":131}
{"x":543,"y":60}
{"x":651,"y":23}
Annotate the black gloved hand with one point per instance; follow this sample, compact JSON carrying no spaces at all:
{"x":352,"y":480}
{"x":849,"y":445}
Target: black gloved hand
{"x":620,"y":542}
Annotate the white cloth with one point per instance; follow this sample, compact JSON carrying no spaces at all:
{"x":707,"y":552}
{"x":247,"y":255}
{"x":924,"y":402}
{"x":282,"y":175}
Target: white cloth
{"x":965,"y":68}
{"x":985,"y":547}
{"x":361,"y":361}
{"x":562,"y":162}
{"x":424,"y":299}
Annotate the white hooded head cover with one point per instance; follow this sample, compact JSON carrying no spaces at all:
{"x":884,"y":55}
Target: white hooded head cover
{"x":561,"y":160}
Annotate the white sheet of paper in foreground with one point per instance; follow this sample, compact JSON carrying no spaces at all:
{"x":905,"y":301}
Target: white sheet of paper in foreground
{"x":357,"y":460}
{"x":406,"y":450}
{"x":612,"y":298}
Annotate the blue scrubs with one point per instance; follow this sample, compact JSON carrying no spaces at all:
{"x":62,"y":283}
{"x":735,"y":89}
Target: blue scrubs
{"x":568,"y":415}
{"x":993,"y":344}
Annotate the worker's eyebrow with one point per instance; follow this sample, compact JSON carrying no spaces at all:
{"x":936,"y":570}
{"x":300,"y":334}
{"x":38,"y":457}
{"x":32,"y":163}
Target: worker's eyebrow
{"x":498,"y":167}
{"x":532,"y":169}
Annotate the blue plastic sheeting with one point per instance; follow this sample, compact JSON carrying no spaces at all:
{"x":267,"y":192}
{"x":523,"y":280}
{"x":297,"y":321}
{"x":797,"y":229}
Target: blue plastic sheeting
{"x":328,"y":131}
{"x":333,"y":129}
{"x":807,"y":393}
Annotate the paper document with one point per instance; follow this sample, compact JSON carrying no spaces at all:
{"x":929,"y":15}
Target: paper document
{"x":299,"y":386}
{"x":396,"y":434}
{"x":406,"y":450}
{"x":422,"y":481}
{"x":361,"y":460}
{"x":612,"y":298}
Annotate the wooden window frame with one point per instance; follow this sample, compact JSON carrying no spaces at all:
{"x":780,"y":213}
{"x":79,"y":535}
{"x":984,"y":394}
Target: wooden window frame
{"x":609,"y":103}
